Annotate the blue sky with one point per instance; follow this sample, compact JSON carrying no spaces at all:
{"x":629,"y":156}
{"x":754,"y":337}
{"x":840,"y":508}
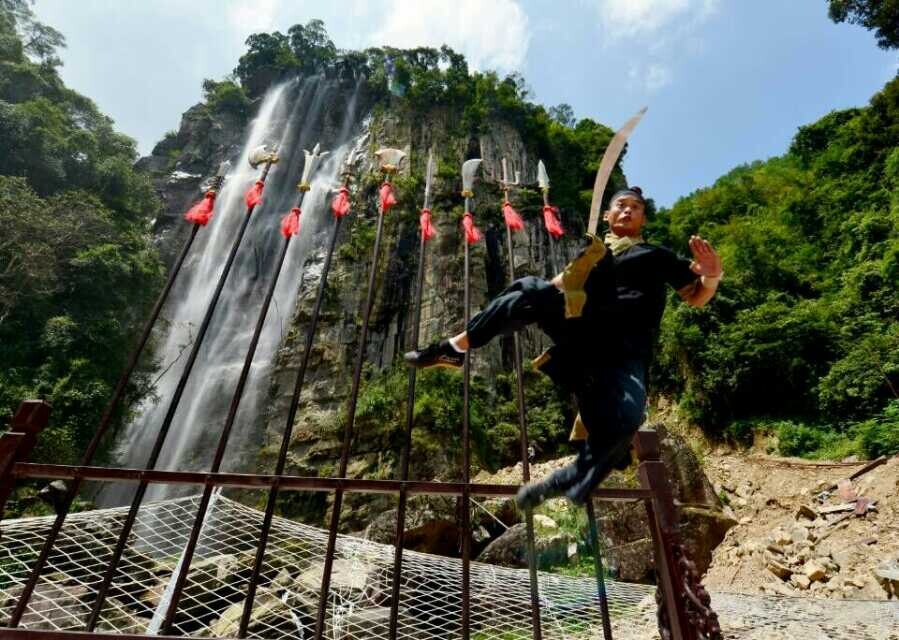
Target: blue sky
{"x":726,"y":81}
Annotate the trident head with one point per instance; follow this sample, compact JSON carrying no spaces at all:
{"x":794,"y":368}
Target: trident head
{"x":261,"y":155}
{"x":542,"y":176}
{"x":313,"y":159}
{"x":507,"y":180}
{"x":469,"y":168}
{"x":390,"y":159}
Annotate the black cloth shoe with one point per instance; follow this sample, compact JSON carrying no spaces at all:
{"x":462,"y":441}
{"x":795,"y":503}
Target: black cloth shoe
{"x":534,"y":494}
{"x":439,"y":354}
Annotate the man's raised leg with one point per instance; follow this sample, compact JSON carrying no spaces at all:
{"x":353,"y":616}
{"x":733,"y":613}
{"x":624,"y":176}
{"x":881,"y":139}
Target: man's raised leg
{"x":525,"y":301}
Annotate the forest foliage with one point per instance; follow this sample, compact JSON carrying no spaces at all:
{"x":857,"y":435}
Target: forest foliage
{"x":77,"y":265}
{"x":803,"y":337}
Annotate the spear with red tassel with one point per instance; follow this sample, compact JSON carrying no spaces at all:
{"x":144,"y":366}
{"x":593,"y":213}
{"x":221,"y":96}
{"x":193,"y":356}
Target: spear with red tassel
{"x":550,"y":216}
{"x":472,"y":234}
{"x":515,"y":223}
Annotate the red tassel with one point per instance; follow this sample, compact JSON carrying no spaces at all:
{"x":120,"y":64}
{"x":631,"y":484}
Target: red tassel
{"x":340,"y":205}
{"x":388,"y":199}
{"x":472,"y":233}
{"x":201,"y":213}
{"x":290,"y":224}
{"x":427,"y":229}
{"x":551,"y":220}
{"x":513,"y":218}
{"x":254,"y":195}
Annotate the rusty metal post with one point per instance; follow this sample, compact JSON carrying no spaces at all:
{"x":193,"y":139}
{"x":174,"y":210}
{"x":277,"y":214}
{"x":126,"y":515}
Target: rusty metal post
{"x":16,"y":444}
{"x":662,"y":522}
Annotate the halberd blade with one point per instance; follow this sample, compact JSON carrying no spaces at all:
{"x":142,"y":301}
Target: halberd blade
{"x":261,"y":155}
{"x":542,"y":176}
{"x":469,"y":168}
{"x":609,"y":158}
{"x":390,"y":159}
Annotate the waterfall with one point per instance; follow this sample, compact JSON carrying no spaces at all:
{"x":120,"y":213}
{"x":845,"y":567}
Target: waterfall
{"x":294,"y":116}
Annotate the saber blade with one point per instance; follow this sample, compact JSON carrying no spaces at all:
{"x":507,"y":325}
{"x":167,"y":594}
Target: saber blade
{"x":609,"y":158}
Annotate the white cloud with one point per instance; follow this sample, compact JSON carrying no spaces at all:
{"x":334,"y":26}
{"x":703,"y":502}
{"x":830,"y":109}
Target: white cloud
{"x":622,"y":18}
{"x":251,"y":16}
{"x":492,"y":34}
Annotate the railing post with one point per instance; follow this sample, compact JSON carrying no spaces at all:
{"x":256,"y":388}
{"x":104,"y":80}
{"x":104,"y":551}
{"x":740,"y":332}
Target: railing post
{"x":662,"y":521}
{"x":685,"y":611}
{"x":16,"y":444}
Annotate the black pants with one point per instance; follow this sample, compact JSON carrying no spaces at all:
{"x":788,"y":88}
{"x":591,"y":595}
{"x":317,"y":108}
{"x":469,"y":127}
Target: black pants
{"x":610,"y":393}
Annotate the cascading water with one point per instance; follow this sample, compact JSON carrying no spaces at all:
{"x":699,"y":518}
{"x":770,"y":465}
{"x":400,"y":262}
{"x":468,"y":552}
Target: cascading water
{"x":293,"y":116}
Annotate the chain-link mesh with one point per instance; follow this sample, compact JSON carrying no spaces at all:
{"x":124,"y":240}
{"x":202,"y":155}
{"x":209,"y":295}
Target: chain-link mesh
{"x":358,"y":604}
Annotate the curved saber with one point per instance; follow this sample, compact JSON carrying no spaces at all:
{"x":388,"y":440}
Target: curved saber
{"x":609,"y":158}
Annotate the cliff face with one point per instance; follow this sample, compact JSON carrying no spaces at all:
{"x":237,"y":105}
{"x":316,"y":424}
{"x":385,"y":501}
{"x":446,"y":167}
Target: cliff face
{"x":182,"y":161}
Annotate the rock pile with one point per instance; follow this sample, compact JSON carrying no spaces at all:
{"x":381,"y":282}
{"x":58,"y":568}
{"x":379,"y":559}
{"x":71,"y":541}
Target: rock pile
{"x":810,"y":551}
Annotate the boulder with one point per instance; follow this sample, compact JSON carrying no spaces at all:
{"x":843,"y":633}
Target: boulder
{"x":814,"y":571}
{"x":780,"y":570}
{"x":510,"y":549}
{"x":269,"y":613}
{"x":887,"y":575}
{"x":52,"y":606}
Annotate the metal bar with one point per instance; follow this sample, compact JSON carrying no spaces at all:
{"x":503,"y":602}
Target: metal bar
{"x":166,"y":424}
{"x":348,"y":434}
{"x":600,"y":578}
{"x":662,"y":521}
{"x":466,"y":461}
{"x":27,"y":423}
{"x":407,"y":447}
{"x":525,"y":466}
{"x":102,"y":428}
{"x":237,"y":396}
{"x":288,"y":482}
{"x":7,"y":633}
{"x":285,"y":439}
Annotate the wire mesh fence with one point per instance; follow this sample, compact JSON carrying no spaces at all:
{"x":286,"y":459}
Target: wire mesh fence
{"x":358,"y":603}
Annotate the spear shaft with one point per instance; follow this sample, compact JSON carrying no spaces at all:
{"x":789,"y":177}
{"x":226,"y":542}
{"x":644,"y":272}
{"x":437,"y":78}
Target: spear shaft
{"x":523,"y":430}
{"x":410,"y":419}
{"x":390,"y":161}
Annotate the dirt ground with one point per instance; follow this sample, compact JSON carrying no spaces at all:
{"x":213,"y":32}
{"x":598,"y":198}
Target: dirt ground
{"x":796,"y":538}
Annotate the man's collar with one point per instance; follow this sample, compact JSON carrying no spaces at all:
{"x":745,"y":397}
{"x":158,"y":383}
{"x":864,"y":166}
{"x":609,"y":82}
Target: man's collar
{"x":619,"y":244}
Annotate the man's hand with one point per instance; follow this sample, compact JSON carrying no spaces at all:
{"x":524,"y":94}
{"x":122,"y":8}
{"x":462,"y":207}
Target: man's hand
{"x":706,"y":261}
{"x":706,"y":264}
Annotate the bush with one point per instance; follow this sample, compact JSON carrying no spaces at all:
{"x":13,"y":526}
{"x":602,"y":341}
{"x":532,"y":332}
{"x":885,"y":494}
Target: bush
{"x":226,"y":97}
{"x":880,"y":436}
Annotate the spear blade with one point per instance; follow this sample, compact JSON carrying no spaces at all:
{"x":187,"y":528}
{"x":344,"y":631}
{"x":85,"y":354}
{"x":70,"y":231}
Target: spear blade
{"x":469,"y":168}
{"x":313,"y":158}
{"x":429,"y":178}
{"x":609,"y":158}
{"x":542,"y":176}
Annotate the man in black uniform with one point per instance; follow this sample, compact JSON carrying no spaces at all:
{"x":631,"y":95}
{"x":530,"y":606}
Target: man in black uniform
{"x":602,"y":314}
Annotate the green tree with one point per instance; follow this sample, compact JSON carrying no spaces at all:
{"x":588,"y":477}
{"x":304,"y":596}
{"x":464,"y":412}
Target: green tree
{"x":881,"y":16}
